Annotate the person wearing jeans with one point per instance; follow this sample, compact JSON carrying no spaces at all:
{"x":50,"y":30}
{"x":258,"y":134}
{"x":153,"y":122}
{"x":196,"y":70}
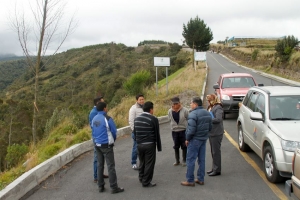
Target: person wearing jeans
{"x":199,"y":125}
{"x":135,"y":111}
{"x":92,"y":114}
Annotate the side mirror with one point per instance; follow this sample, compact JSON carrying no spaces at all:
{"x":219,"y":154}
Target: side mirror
{"x":216,"y":86}
{"x":256,"y":116}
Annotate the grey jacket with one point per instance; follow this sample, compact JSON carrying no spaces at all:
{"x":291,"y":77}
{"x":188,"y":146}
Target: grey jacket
{"x":183,"y":116}
{"x":217,"y":121}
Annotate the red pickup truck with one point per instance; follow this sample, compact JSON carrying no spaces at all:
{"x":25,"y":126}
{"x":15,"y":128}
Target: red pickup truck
{"x":231,"y":89}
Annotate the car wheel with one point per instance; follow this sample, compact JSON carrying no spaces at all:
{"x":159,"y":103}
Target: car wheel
{"x":242,"y":145}
{"x":271,"y":172}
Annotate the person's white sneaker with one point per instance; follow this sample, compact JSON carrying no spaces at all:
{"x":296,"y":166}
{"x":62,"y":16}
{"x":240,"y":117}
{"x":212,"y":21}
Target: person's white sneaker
{"x":134,"y":167}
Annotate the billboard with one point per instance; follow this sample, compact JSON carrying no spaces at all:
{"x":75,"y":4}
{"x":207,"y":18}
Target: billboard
{"x":161,"y":61}
{"x":200,"y":56}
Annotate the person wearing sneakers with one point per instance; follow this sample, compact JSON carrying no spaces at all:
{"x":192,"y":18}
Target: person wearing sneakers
{"x":104,"y":133}
{"x":134,"y":112}
{"x":178,"y":118}
{"x":199,"y":125}
{"x":92,"y":114}
{"x":216,"y":134}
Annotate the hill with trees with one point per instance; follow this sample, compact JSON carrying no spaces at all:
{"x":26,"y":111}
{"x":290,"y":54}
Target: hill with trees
{"x":68,"y":83}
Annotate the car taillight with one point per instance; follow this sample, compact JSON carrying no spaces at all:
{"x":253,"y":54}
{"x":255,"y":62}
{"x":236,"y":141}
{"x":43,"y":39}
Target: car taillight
{"x":293,"y":162}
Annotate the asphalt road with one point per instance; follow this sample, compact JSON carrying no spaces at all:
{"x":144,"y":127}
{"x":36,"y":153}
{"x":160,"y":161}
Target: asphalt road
{"x":239,"y":179}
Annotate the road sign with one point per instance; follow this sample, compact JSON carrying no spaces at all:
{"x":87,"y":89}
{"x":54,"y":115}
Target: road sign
{"x":200,"y":56}
{"x":161,"y":61}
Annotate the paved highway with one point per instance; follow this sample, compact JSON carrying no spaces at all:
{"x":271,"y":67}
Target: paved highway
{"x":242,"y":174}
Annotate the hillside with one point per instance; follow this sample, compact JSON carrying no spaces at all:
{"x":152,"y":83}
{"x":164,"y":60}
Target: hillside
{"x":68,"y":84}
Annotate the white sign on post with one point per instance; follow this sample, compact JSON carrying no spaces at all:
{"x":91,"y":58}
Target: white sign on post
{"x":200,"y":56}
{"x":161,"y":61}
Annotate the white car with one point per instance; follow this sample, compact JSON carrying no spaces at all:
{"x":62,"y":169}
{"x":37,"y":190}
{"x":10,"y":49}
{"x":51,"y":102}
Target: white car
{"x":269,"y":123}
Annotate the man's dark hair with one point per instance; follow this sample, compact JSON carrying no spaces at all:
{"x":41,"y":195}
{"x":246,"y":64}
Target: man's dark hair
{"x":148,"y":105}
{"x":100,"y":106}
{"x":197,"y":101}
{"x":138,"y":96}
{"x":97,"y":99}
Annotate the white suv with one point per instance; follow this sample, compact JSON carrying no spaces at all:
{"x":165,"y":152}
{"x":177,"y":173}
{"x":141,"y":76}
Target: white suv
{"x":269,"y":123}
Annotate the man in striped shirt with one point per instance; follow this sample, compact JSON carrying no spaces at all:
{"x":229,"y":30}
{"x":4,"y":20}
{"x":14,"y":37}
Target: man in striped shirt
{"x":147,"y":137}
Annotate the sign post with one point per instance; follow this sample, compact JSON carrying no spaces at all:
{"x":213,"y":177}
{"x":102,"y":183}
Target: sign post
{"x":162,"y":62}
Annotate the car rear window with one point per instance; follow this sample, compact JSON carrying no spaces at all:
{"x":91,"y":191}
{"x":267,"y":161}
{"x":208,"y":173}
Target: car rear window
{"x":238,"y":82}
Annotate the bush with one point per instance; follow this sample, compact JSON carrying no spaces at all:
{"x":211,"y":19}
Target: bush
{"x":254,"y":54}
{"x":136,"y":83}
{"x":51,"y":150}
{"x":285,"y":46}
{"x":15,"y":154}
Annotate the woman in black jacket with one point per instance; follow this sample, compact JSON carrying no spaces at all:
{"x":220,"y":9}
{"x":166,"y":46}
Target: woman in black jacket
{"x":216,"y":134}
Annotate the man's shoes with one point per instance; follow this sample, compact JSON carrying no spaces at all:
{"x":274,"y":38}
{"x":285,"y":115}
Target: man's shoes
{"x":105,"y":176}
{"x":95,"y":180}
{"x":214,"y":174}
{"x":150,"y":185}
{"x":208,"y":172}
{"x":117,"y":190}
{"x":176,"y":163}
{"x":135,"y":167}
{"x":199,"y":182}
{"x":101,"y":189}
{"x":185,"y":183}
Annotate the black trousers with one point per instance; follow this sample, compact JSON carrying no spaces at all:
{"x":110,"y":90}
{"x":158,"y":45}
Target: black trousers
{"x":215,"y":148}
{"x":147,"y":156}
{"x":107,"y":154}
{"x":179,"y":139}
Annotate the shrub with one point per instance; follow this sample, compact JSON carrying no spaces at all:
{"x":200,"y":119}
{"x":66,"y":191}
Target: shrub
{"x":51,"y":150}
{"x":285,"y":46}
{"x":136,"y":83}
{"x":81,"y":136}
{"x":254,"y":54}
{"x":15,"y":154}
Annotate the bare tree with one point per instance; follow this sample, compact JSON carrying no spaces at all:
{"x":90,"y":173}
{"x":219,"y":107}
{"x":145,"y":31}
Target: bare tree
{"x":47,"y":18}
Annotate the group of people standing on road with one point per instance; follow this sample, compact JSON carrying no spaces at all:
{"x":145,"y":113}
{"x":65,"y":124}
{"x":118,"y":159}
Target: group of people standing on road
{"x":190,"y":131}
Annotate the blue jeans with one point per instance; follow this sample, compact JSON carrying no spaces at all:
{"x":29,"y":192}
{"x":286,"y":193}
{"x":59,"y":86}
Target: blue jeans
{"x":134,"y":151}
{"x":95,"y":164}
{"x":195,"y":149}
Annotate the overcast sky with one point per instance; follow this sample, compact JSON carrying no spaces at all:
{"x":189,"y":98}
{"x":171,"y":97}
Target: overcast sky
{"x":132,"y":21}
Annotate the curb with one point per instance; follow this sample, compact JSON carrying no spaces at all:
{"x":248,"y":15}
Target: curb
{"x":32,"y":178}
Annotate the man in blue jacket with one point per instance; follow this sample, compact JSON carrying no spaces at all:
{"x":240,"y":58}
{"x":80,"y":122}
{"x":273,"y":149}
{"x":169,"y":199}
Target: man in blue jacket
{"x":104,"y":133}
{"x":199,"y":124}
{"x":92,"y":114}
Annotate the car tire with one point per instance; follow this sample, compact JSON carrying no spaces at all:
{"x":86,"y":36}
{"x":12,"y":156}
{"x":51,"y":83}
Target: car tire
{"x":271,"y":173}
{"x":242,"y":145}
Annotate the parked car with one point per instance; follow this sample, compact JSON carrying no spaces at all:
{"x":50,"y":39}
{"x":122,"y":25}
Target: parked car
{"x":269,"y":123}
{"x":292,"y":186}
{"x":231,"y":89}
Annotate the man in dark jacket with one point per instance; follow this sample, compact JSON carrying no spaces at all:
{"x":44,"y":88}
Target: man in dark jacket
{"x":199,"y":124}
{"x":104,"y":133}
{"x":147,"y":136}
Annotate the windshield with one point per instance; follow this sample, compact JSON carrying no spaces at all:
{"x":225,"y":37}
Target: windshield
{"x":285,"y":107}
{"x":238,"y":82}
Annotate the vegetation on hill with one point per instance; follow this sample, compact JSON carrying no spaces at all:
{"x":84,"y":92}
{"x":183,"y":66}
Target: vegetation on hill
{"x":68,"y":84}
